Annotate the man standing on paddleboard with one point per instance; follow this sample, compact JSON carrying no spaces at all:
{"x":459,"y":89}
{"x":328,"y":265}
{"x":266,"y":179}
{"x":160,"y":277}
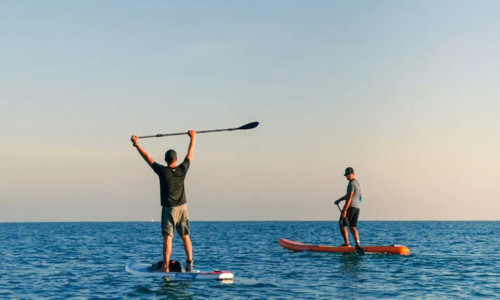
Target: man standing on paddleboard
{"x":350,"y":213}
{"x":174,"y":214}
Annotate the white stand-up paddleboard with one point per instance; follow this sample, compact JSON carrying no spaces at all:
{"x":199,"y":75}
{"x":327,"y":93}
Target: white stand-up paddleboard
{"x":142,"y":269}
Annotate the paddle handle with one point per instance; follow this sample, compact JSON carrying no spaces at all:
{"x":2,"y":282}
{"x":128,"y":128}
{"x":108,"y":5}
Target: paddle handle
{"x":182,"y":133}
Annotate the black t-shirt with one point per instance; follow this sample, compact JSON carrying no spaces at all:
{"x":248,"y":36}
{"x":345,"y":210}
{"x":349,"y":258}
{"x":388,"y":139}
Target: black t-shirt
{"x":172,"y":183}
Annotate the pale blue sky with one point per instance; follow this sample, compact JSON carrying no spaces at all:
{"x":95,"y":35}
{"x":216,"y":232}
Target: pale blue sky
{"x":406,"y":92}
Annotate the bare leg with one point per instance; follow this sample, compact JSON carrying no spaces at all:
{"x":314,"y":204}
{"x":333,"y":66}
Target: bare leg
{"x":345,"y":235}
{"x":355,"y":234}
{"x":189,"y":252}
{"x":167,"y":249}
{"x":188,"y":247}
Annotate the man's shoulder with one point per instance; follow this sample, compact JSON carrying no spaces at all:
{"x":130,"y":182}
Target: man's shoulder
{"x":157,"y":166}
{"x":186,"y":162}
{"x":353,"y":183}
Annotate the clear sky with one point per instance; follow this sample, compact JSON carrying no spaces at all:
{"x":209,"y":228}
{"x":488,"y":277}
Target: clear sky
{"x":405,"y":92}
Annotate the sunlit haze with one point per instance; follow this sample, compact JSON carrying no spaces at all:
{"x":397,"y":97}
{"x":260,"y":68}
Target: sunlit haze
{"x":405,"y":92}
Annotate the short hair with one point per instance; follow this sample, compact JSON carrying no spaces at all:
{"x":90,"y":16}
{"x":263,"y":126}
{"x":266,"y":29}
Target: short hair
{"x":170,"y":156}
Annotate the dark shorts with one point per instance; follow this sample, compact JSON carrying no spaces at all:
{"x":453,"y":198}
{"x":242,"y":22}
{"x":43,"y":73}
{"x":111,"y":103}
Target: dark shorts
{"x":352,"y":217}
{"x":175,"y":218}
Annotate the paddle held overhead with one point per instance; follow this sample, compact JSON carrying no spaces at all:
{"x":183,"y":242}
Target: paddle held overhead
{"x":244,"y":127}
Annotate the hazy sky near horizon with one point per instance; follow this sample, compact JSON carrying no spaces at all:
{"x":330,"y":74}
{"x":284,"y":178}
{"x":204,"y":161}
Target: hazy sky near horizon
{"x":405,"y":92}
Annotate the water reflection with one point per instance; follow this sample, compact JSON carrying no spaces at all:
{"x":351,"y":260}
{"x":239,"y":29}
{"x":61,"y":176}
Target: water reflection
{"x":350,"y":263}
{"x":176,"y":289}
{"x":351,"y":275}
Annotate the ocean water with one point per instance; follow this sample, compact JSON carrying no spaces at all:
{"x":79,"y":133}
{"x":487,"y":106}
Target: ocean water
{"x":87,"y":261}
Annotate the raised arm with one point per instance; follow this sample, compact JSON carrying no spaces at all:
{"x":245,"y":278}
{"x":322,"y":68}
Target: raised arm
{"x":192,"y":135}
{"x":142,"y":152}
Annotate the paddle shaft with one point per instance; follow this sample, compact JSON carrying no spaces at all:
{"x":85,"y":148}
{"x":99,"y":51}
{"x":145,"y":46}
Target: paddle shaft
{"x":347,"y":222}
{"x":244,"y":127}
{"x":182,"y":133}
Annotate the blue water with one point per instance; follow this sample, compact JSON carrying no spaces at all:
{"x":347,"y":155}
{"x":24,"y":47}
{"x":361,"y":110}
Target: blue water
{"x":87,"y":260}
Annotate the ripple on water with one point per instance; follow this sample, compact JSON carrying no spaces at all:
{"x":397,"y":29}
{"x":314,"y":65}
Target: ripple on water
{"x":87,"y":260}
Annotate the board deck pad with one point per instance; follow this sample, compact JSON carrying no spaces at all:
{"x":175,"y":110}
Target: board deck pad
{"x":297,"y":246}
{"x":144,"y":269}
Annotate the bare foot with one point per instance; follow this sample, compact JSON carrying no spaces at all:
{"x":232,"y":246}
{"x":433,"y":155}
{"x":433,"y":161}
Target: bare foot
{"x":163,"y":269}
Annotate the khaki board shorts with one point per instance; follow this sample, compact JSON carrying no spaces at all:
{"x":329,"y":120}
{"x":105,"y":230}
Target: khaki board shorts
{"x":175,"y":217}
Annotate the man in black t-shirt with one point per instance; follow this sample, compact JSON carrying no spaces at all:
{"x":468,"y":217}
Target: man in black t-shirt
{"x":174,"y":215}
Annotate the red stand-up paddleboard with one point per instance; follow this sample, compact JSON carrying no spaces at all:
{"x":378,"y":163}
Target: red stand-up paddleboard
{"x":296,"y":246}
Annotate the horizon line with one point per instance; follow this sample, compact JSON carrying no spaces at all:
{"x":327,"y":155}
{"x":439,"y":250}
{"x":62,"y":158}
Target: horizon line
{"x":155,"y":221}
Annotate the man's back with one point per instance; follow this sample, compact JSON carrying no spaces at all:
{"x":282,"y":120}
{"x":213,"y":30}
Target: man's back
{"x":172,"y":189}
{"x":355,"y":187}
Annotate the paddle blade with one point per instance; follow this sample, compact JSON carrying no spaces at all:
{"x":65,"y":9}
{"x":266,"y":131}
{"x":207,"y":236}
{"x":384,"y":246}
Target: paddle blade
{"x":248,"y":126}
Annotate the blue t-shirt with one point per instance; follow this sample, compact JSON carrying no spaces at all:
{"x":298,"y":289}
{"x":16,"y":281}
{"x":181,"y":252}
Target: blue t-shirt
{"x":172,"y":183}
{"x":353,"y":185}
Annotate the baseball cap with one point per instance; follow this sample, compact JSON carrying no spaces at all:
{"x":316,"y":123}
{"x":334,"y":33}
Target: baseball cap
{"x":348,"y":171}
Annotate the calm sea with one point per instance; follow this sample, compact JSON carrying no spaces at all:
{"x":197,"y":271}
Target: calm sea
{"x":87,"y":260}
